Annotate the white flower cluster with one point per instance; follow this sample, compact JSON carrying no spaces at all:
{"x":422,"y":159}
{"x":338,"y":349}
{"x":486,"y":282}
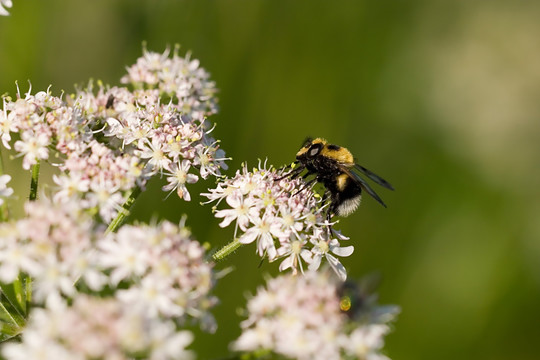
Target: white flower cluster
{"x":53,"y":246}
{"x":284,"y":218}
{"x":94,"y":328}
{"x":155,"y":278}
{"x":180,"y":78}
{"x":300,"y":317}
{"x":166,"y":271}
{"x":117,"y":139}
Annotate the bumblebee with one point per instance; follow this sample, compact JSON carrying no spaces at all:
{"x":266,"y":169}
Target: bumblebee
{"x":334,"y":167}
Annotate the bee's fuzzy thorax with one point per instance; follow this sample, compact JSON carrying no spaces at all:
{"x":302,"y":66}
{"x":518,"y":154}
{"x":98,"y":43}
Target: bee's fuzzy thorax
{"x":319,"y":141}
{"x":338,"y":153}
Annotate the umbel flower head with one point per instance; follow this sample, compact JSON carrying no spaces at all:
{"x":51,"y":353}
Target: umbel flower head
{"x":94,"y":328}
{"x":301,"y":317}
{"x":161,"y":270}
{"x":52,"y":244}
{"x":109,"y":141}
{"x":180,"y":78}
{"x":155,"y":279}
{"x":284,"y":219}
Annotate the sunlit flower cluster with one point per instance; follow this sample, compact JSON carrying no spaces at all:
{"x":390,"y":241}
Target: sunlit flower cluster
{"x":53,"y":245}
{"x":92,"y":173}
{"x":94,"y":328}
{"x":35,"y":118}
{"x":180,"y":78}
{"x":160,"y":269}
{"x":154,"y":278}
{"x":148,"y":138}
{"x":285,"y":219}
{"x":111,"y":140}
{"x":300,"y":317}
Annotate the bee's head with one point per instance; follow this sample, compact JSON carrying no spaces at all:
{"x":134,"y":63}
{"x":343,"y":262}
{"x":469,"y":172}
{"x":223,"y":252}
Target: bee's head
{"x":311,"y":148}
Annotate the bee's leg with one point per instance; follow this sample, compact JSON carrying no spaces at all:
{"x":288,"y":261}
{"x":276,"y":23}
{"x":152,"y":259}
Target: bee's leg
{"x":306,"y":185}
{"x":329,"y":224}
{"x":291,"y":174}
{"x":329,"y":213}
{"x":294,"y":174}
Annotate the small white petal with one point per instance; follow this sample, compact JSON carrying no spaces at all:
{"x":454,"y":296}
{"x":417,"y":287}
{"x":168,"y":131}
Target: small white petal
{"x":316,"y":263}
{"x":337,"y":267}
{"x":287,"y":263}
{"x":249,"y":236}
{"x":343,"y":251}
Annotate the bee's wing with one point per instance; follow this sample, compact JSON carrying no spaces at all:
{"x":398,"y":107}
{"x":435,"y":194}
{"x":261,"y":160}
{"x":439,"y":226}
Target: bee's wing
{"x":363,"y":184}
{"x":364,"y":287}
{"x":379,"y":180}
{"x":369,"y":283}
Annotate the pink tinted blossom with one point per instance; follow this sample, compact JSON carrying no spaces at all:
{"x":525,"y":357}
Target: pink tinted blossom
{"x":302,"y":318}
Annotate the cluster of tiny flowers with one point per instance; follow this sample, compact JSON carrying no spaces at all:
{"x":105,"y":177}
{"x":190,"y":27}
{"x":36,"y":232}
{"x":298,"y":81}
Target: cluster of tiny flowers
{"x":36,"y":119}
{"x":93,"y":328}
{"x":180,"y":78}
{"x":156,"y":278}
{"x":53,"y":245}
{"x":284,"y":218}
{"x":160,"y":270}
{"x":3,"y":5}
{"x":148,"y":138}
{"x":5,"y":191}
{"x":301,"y":318}
{"x":116,"y":139}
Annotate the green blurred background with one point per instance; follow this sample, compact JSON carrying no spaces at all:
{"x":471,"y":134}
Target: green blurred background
{"x":439,"y":97}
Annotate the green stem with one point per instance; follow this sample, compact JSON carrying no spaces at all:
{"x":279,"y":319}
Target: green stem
{"x":1,"y":162}
{"x":34,"y":182}
{"x":19,"y":294}
{"x":226,"y":250}
{"x":22,"y":290}
{"x":3,"y":209}
{"x":124,"y":212}
{"x":28,"y":292}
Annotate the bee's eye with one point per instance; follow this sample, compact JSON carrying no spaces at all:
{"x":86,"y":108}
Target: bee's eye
{"x":314,"y":151}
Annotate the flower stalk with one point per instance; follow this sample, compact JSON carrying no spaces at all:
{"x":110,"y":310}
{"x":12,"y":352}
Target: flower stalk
{"x":34,"y":181}
{"x":27,"y":293}
{"x":227,"y":250}
{"x":125,"y":211}
{"x":3,"y":207}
